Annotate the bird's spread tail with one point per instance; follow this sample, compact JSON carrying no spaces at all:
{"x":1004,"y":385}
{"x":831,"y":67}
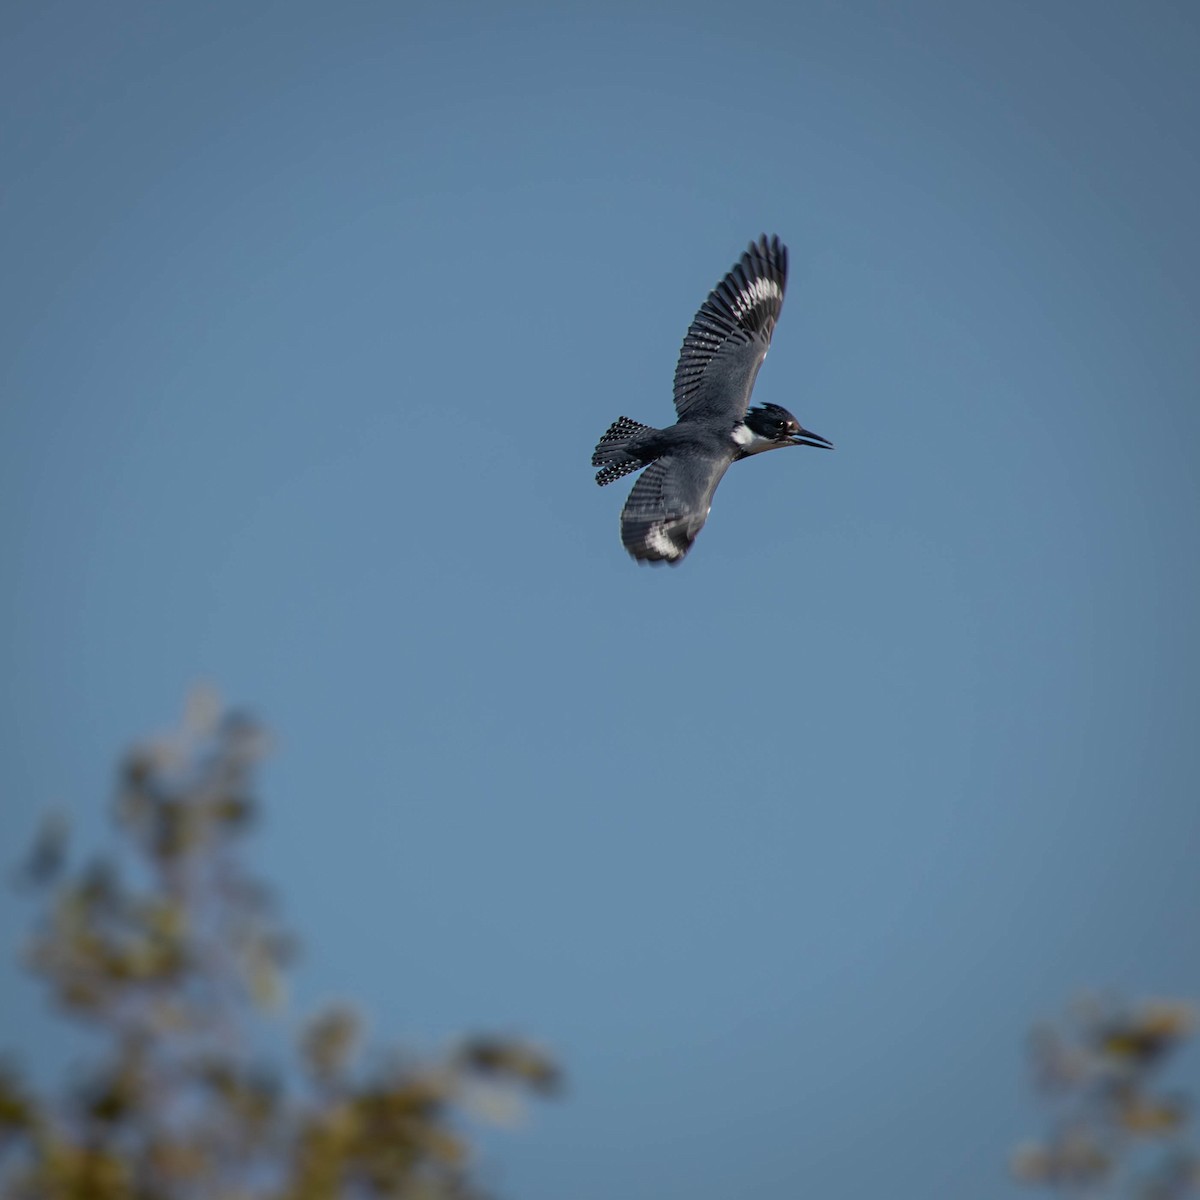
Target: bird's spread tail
{"x":612,"y":454}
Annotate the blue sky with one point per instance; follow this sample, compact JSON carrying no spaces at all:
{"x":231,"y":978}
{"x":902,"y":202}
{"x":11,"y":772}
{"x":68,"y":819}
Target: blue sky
{"x":312,"y":314}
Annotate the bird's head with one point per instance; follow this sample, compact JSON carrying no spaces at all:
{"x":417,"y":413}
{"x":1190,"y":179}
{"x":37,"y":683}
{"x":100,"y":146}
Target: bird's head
{"x":768,"y":426}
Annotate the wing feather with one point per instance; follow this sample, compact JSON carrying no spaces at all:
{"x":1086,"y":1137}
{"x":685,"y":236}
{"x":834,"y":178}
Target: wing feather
{"x":669,"y":504}
{"x":729,"y":337}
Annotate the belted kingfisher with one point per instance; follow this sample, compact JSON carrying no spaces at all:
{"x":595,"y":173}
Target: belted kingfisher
{"x":721,"y":355}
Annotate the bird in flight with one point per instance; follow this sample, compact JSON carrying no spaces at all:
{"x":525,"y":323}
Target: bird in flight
{"x":721,"y":355}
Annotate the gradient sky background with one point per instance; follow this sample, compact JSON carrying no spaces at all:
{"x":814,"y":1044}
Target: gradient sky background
{"x":312,"y":314}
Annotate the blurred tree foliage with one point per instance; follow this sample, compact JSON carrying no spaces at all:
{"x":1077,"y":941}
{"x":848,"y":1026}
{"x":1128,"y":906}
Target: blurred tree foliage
{"x":170,"y":951}
{"x":1113,"y":1131}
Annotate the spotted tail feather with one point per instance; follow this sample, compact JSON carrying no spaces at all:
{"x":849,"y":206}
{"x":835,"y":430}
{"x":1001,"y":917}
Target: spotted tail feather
{"x":611,"y":453}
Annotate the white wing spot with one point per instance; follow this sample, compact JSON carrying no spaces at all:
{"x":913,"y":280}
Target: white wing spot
{"x":658,"y":541}
{"x":758,"y":290}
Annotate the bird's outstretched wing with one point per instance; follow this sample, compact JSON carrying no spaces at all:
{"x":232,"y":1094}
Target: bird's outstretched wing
{"x":729,"y":337}
{"x":669,"y":505}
